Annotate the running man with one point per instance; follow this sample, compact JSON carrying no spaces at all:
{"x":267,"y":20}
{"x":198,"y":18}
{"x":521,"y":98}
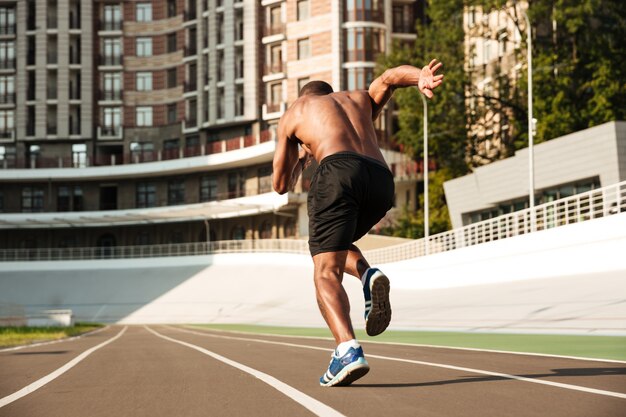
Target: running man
{"x":351,"y":191}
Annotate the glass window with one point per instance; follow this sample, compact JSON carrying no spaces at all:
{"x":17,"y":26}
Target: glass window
{"x":171,"y":113}
{"x":112,"y":117}
{"x":171,"y":78}
{"x":142,"y":151}
{"x":63,"y":199}
{"x":238,"y":233}
{"x":171,"y":42}
{"x":32,"y":199}
{"x":144,"y":116}
{"x":144,"y":47}
{"x":303,"y":9}
{"x":144,"y":12}
{"x":79,"y":155}
{"x":176,"y":192}
{"x":302,"y":82}
{"x":171,"y":8}
{"x":208,"y":188}
{"x":144,"y":81}
{"x":304,"y":50}
{"x":265,"y":179}
{"x":112,"y":17}
{"x":146,"y":195}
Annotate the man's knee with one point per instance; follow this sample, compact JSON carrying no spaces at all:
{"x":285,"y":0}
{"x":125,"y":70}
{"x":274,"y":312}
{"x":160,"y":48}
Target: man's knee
{"x":329,"y":265}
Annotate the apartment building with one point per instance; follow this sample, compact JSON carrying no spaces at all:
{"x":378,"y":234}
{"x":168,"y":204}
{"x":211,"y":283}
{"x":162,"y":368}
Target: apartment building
{"x":495,"y":60}
{"x":153,"y":122}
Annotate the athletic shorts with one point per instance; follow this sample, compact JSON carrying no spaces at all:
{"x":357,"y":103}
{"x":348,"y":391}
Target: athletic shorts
{"x":349,"y":194}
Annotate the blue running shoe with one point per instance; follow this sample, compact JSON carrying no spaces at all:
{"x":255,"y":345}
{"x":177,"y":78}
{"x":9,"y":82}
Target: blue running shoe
{"x":377,"y":305}
{"x":345,"y":370}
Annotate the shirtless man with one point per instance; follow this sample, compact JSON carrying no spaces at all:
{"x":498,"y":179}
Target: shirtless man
{"x":350,"y":192}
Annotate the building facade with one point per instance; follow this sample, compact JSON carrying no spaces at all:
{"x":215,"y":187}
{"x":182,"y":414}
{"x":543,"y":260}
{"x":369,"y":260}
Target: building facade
{"x":495,"y":61}
{"x":152,"y":122}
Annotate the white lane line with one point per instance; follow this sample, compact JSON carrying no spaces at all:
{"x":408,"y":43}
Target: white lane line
{"x":51,"y":342}
{"x":55,"y":374}
{"x":433,"y":364}
{"x":508,"y":352}
{"x":306,"y":401}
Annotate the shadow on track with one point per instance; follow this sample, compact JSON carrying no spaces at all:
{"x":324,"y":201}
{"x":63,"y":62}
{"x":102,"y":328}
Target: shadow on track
{"x":567,"y":372}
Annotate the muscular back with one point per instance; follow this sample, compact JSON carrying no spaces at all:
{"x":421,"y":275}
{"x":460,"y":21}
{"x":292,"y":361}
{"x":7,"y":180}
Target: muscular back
{"x":333,"y":123}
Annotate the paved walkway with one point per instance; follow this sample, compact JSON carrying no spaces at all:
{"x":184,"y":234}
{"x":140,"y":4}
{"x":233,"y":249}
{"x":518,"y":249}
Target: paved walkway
{"x":174,"y":371}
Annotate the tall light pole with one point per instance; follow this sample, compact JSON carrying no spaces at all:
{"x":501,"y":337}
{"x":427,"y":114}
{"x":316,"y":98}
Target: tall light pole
{"x":531,"y":156}
{"x":425,"y":162}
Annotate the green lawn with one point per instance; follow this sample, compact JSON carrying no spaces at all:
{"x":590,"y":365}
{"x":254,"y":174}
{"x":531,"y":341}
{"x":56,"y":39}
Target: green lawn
{"x":601,"y":347}
{"x":15,"y":336}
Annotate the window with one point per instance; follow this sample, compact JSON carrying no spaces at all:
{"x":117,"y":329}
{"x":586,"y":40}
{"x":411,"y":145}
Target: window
{"x":304,"y":50}
{"x":303,"y":9}
{"x":363,"y":44}
{"x":112,"y":120}
{"x":358,"y":78}
{"x":146,"y":195}
{"x":143,"y":116}
{"x":171,"y":42}
{"x":69,"y":198}
{"x":112,"y":52}
{"x":7,"y":55}
{"x":171,"y":8}
{"x":208,"y":188}
{"x":171,"y":113}
{"x":144,"y":81}
{"x":176,"y":192}
{"x":265,"y":179}
{"x":7,"y":156}
{"x":7,"y":123}
{"x":276,"y":93}
{"x":7,"y":21}
{"x":144,"y":12}
{"x":302,"y":82}
{"x":236,"y":184}
{"x":112,"y":17}
{"x":239,"y":101}
{"x":7,"y":89}
{"x":32,"y":199}
{"x":144,"y":47}
{"x":142,"y":151}
{"x":265,"y":230}
{"x":171,"y":78}
{"x":79,"y":155}
{"x":112,"y":83}
{"x":238,"y":233}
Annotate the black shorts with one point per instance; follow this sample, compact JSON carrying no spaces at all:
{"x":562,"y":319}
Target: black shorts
{"x":349,"y":194}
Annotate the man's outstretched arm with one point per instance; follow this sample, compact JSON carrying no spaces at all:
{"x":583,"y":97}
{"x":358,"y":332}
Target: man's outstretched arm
{"x":382,"y":88}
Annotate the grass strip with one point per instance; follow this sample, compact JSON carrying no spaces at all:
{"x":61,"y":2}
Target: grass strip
{"x":584,"y":346}
{"x":16,"y":336}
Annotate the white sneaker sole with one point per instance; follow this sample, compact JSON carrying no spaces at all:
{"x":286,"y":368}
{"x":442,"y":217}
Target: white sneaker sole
{"x":349,"y":374}
{"x":380,"y":315}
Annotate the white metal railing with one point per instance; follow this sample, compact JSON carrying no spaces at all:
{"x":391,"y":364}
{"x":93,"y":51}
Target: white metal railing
{"x":589,"y":205}
{"x":578,"y":208}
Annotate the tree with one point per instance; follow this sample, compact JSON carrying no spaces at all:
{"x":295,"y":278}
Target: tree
{"x":441,"y":38}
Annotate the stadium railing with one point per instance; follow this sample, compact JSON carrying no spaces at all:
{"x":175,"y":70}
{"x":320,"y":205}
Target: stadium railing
{"x":589,"y":205}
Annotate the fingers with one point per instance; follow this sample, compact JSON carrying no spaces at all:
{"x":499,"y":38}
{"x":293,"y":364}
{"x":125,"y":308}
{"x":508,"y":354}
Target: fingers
{"x":427,"y":93}
{"x":438,"y":77}
{"x":436,"y":67}
{"x":431,"y":63}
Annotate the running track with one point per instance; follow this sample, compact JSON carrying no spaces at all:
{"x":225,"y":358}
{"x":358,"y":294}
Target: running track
{"x":175,"y":371}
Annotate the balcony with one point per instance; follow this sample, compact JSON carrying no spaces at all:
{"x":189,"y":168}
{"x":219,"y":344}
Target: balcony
{"x":7,"y":63}
{"x":111,"y":60}
{"x":363,"y":15}
{"x":110,"y":132}
{"x":7,"y":134}
{"x":369,"y":55}
{"x":275,"y":29}
{"x":7,"y":29}
{"x":275,"y":68}
{"x":7,"y":98}
{"x":110,"y":95}
{"x":191,"y":50}
{"x":190,"y":86}
{"x":110,"y":26}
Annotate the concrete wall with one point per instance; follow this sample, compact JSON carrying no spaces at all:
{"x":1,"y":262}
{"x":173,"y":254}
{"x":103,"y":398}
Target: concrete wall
{"x":569,"y":279}
{"x":582,"y":155}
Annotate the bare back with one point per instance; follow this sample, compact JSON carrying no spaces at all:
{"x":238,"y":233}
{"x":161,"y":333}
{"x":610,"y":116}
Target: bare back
{"x":333,"y":123}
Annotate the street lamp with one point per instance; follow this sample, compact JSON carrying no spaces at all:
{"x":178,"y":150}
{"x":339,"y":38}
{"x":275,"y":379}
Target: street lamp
{"x":531,"y":157}
{"x":425,"y":170}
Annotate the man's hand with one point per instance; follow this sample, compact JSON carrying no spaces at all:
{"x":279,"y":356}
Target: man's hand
{"x":304,"y":157}
{"x":428,"y":80}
